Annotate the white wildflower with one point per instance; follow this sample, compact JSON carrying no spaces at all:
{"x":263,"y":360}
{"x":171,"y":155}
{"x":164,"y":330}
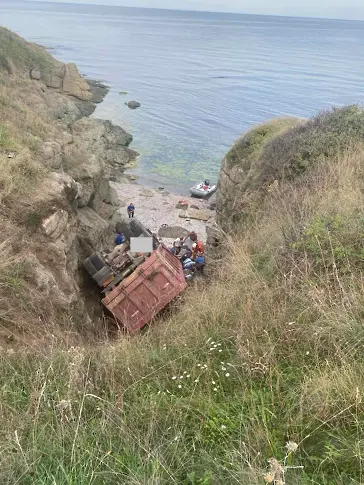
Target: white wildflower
{"x":308,"y":352}
{"x":291,"y":446}
{"x":179,"y":386}
{"x":223,"y":368}
{"x":181,"y":377}
{"x":212,"y":348}
{"x":220,"y":350}
{"x":174,"y":378}
{"x":185,"y":372}
{"x":198,"y":365}
{"x":215,"y":389}
{"x":213,"y":382}
{"x":223,"y":426}
{"x":196,"y":380}
{"x":215,"y":346}
{"x":188,"y":375}
{"x":227,"y":374}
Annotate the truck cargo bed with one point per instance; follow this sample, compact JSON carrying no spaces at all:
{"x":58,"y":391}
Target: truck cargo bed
{"x":140,"y":296}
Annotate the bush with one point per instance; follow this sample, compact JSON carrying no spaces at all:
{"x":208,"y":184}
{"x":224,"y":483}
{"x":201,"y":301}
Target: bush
{"x":306,"y":144}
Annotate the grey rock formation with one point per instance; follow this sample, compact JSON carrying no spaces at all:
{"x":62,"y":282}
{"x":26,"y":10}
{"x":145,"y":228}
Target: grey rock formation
{"x":172,"y":231}
{"x":133,"y":104}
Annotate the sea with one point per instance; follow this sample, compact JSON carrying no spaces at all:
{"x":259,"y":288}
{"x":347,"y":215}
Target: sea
{"x":202,"y":78}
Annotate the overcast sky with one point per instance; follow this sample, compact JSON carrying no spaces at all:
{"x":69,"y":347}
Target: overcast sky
{"x":352,"y":9}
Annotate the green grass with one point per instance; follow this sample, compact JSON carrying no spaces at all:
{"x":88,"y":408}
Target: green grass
{"x":7,"y":142}
{"x":21,"y":53}
{"x":247,"y":150}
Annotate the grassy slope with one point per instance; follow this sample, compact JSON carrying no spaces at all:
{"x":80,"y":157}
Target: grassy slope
{"x":269,"y":352}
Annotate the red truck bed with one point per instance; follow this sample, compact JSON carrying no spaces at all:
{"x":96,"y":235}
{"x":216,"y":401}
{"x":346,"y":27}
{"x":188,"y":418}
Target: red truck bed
{"x":138,"y":298}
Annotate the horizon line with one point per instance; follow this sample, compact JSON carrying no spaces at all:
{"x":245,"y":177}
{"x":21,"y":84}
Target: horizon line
{"x":62,"y":2}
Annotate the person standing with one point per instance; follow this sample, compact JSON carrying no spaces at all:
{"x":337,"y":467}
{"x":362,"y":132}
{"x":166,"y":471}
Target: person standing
{"x":177,"y":244}
{"x":190,"y":240}
{"x":131,"y":209}
{"x":198,"y":249}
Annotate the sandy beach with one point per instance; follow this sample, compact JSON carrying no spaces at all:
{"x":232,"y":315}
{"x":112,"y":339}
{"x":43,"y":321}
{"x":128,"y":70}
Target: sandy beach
{"x":157,"y":207}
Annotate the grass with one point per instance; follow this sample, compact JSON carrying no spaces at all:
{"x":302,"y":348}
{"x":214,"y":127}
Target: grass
{"x":16,"y":51}
{"x":268,"y":353}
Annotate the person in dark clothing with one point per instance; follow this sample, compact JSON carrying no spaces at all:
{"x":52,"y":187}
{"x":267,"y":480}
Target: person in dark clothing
{"x":131,"y":209}
{"x":200,"y":263}
{"x":120,"y":239}
{"x":185,"y":254}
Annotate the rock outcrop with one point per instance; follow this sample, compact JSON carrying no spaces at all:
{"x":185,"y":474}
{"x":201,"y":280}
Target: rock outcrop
{"x":72,"y":209}
{"x":240,"y":173}
{"x":133,"y":104}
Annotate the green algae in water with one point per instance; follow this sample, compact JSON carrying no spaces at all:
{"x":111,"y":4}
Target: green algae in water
{"x":182,"y":171}
{"x":123,"y":93}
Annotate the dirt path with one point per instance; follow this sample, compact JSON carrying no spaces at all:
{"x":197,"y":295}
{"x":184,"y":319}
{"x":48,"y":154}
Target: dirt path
{"x":157,"y":207}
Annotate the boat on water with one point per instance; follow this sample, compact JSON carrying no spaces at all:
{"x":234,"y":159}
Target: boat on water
{"x":203,"y":189}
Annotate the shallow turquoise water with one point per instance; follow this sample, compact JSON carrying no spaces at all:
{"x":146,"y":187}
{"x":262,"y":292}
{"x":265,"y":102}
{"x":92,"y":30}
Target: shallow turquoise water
{"x":202,"y":78}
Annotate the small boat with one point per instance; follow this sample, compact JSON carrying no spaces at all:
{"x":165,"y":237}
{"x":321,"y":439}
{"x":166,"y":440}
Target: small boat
{"x":203,"y":189}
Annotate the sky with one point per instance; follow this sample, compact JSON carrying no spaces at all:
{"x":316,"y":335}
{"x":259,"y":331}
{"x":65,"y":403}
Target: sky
{"x":344,"y":9}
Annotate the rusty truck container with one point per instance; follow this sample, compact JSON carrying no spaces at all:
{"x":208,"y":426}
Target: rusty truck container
{"x":138,"y":298}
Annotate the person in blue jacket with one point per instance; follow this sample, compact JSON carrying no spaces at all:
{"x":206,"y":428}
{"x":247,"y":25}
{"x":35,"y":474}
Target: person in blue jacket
{"x":120,"y":239}
{"x":131,"y":209}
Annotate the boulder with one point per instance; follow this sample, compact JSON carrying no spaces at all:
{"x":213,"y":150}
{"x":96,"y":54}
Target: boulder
{"x":94,"y":232}
{"x":35,"y":74}
{"x":51,"y":154}
{"x":74,"y":84}
{"x":55,"y":224}
{"x":198,"y":215}
{"x":133,"y":104}
{"x":172,"y":232}
{"x":147,"y":193}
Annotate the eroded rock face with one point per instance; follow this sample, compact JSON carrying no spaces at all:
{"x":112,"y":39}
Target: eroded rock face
{"x":55,"y":224}
{"x":64,"y":77}
{"x":74,"y":201}
{"x":240,"y":178}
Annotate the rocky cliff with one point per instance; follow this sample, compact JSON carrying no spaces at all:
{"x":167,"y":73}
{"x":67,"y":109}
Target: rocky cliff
{"x":56,"y":202}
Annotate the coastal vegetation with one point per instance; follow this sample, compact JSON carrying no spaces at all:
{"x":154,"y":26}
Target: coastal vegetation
{"x":264,"y":362}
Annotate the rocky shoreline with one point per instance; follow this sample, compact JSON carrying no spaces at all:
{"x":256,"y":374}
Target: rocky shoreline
{"x":162,"y":212}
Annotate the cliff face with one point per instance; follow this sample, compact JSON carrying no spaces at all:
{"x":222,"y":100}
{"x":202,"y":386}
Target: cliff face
{"x":240,"y":174}
{"x":56,"y":202}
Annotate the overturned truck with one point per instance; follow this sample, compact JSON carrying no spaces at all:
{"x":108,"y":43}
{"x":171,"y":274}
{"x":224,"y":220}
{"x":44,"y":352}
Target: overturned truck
{"x":137,"y":286}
